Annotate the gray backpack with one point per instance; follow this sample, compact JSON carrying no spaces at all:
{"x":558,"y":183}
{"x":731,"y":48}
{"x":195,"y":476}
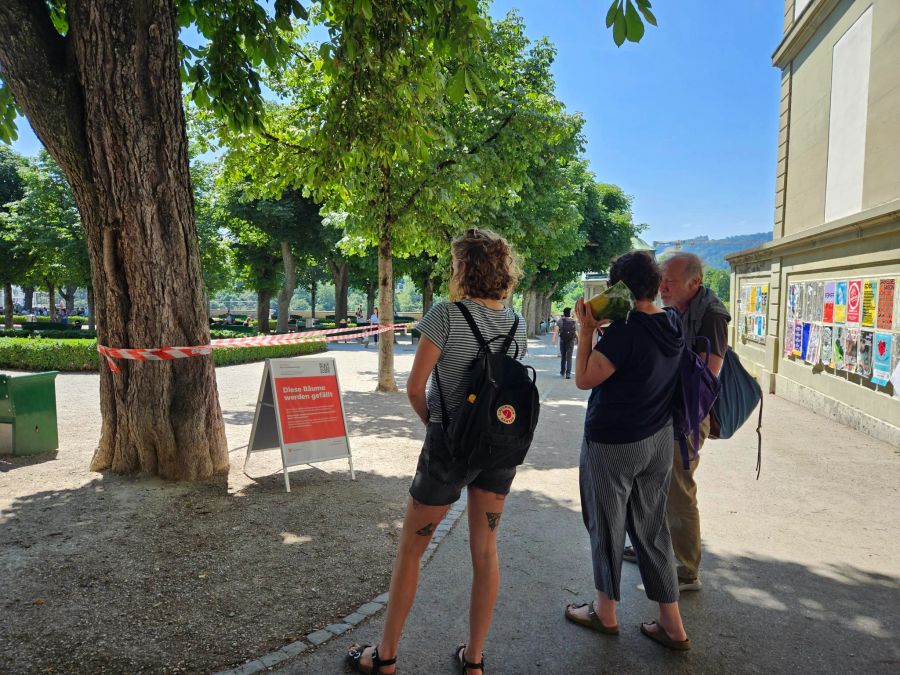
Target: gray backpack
{"x":738,"y":398}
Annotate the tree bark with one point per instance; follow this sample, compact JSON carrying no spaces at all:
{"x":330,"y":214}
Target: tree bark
{"x":92,"y":324}
{"x":427,"y":295}
{"x":69,"y":296}
{"x":287,"y":287}
{"x":263,"y":300}
{"x":106,"y":102}
{"x":529,"y":311}
{"x":339,"y":273}
{"x":386,"y":381}
{"x":51,"y":302}
{"x":313,"y":287}
{"x":29,"y":299}
{"x":7,"y":306}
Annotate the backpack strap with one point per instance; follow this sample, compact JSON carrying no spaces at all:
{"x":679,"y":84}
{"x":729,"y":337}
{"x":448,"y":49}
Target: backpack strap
{"x":509,"y":338}
{"x":469,"y":320}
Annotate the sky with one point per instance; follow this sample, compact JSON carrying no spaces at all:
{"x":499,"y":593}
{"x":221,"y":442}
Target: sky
{"x":686,"y":121}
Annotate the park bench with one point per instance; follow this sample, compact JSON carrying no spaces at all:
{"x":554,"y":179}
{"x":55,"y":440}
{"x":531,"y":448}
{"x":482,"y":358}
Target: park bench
{"x":28,"y":413}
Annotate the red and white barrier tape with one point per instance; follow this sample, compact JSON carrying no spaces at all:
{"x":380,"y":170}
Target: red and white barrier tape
{"x":168,"y":353}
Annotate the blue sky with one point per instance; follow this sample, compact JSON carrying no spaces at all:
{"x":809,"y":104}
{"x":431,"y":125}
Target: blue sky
{"x":685,"y":121}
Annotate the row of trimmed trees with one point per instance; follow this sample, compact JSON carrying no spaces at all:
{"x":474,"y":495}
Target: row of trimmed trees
{"x":411,"y":121}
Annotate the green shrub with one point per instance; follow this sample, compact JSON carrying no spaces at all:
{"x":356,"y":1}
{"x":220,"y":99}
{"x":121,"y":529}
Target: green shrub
{"x":51,"y":334}
{"x":43,"y":354}
{"x":23,"y":318}
{"x":37,"y":354}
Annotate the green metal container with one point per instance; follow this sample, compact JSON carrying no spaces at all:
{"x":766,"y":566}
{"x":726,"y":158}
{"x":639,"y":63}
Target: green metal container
{"x":28,"y":413}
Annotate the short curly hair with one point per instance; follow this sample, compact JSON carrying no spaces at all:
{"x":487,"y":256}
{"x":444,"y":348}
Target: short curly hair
{"x":639,"y":271}
{"x":486,"y":266}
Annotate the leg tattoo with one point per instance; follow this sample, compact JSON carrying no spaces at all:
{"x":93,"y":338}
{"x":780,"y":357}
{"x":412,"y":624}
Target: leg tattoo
{"x":426,"y":531}
{"x":493,"y":520}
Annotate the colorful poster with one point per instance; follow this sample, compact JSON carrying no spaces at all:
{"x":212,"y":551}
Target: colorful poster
{"x":812,"y":351}
{"x":881,"y":368}
{"x":809,"y":303}
{"x":804,"y":341}
{"x":760,"y":327}
{"x":763,"y":305}
{"x":870,"y":288}
{"x":895,"y":362}
{"x":851,"y":349}
{"x":801,"y":300}
{"x":854,"y":300}
{"x":828,"y":302}
{"x":789,"y":338}
{"x":864,"y":359}
{"x":820,"y":301}
{"x":798,"y":339}
{"x":838,"y":347}
{"x":886,"y":288}
{"x":752,"y":305}
{"x":793,"y":300}
{"x":840,"y":302}
{"x":745,"y":298}
{"x":827,"y":345}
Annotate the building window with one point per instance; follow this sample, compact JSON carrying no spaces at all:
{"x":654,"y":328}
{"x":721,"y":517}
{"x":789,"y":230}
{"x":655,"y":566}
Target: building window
{"x":847,"y":123}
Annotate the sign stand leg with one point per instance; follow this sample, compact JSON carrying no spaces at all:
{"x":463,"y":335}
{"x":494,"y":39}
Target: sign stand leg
{"x":350,"y":460}
{"x":287,"y":479}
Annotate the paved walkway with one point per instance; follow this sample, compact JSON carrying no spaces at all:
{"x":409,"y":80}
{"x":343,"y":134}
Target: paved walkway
{"x":801,"y":569}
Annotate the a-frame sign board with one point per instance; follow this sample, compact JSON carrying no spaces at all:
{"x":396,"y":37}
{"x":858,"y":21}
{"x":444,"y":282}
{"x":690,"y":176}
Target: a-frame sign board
{"x":301,"y":411}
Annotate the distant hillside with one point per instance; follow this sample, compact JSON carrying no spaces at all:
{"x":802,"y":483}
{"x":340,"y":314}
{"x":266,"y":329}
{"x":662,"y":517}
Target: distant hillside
{"x":712,"y":251}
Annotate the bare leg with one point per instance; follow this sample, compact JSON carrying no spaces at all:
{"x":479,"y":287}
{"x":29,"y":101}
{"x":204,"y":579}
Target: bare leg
{"x":670,"y":621}
{"x":418,"y":526}
{"x":604,"y":607}
{"x":485,"y":510}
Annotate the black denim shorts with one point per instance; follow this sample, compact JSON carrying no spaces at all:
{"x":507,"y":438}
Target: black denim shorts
{"x":439,"y":480}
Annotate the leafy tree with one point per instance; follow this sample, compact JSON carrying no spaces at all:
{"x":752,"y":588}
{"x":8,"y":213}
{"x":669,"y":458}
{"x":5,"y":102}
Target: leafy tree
{"x":16,"y":262}
{"x":47,"y":227}
{"x":719,"y":281}
{"x":216,"y":255}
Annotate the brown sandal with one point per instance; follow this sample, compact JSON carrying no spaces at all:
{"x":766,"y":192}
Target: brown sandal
{"x":662,"y":637}
{"x":593,"y":621}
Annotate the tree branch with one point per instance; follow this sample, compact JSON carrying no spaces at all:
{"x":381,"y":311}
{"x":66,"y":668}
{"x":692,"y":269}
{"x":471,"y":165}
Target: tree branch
{"x":38,"y":65}
{"x":452,"y":161}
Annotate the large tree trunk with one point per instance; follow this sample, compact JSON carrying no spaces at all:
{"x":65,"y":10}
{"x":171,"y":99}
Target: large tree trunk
{"x":51,"y":302}
{"x":287,"y":287}
{"x":263,"y":300}
{"x":29,"y":299}
{"x":69,"y":295}
{"x":313,"y":287}
{"x":386,"y":380}
{"x":339,"y":274}
{"x":7,"y":306}
{"x":92,"y":325}
{"x":427,"y":295}
{"x":106,"y":102}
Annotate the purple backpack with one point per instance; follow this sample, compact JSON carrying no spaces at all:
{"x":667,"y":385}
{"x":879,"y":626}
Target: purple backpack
{"x":697,"y":390}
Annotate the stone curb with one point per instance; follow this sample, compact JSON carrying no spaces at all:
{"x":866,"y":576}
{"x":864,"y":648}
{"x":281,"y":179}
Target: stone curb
{"x":363,"y":612}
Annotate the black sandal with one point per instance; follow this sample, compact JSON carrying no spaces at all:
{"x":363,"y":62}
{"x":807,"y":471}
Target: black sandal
{"x":467,"y":665}
{"x":354,"y":658}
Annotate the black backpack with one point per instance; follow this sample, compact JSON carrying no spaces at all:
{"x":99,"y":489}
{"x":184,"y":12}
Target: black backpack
{"x":494,"y":425}
{"x":737,"y":400}
{"x":566,"y":329}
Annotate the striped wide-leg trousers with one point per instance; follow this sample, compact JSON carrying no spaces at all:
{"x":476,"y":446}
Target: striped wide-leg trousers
{"x":624,"y":488}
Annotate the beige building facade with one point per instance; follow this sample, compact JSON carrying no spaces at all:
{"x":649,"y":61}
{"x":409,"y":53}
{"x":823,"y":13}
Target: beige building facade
{"x":817,"y":309}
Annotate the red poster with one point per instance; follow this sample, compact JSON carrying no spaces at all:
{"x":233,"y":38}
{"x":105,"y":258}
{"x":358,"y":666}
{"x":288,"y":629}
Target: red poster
{"x":854,"y":300}
{"x":886,"y":288}
{"x":309,"y":408}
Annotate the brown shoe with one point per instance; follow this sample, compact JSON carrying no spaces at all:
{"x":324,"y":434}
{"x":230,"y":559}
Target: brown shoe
{"x":593,"y":621}
{"x":662,"y":637}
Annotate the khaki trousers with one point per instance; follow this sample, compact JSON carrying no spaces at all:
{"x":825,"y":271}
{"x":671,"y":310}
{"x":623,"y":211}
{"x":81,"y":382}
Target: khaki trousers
{"x":682,"y":512}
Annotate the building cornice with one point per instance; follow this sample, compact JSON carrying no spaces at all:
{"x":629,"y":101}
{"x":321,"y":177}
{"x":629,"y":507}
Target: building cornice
{"x":802,"y":30}
{"x":876,"y":221}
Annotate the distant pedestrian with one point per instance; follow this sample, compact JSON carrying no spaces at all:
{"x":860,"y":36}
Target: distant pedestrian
{"x":373,"y":322}
{"x":565,"y":331}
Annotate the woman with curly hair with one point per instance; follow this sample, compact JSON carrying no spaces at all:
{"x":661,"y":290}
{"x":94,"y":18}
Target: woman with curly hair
{"x":484,"y":274}
{"x":626,"y":454}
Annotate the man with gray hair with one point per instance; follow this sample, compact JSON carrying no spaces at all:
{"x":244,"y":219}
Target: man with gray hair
{"x":702,"y":316}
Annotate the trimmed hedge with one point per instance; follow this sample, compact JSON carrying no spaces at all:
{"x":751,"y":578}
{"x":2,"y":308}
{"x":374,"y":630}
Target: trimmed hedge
{"x":37,"y":354}
{"x":45,"y":318}
{"x":52,"y":334}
